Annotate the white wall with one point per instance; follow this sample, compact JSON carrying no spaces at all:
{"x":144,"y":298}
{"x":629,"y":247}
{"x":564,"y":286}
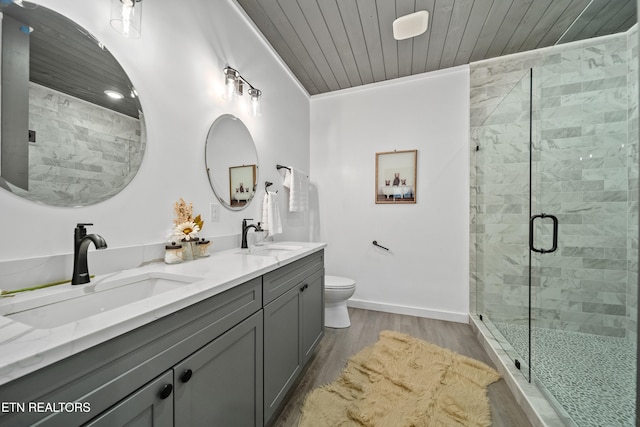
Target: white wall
{"x":176,"y":67}
{"x":426,"y":271}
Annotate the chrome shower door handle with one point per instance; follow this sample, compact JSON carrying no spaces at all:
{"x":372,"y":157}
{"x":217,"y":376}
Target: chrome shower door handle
{"x":555,"y":233}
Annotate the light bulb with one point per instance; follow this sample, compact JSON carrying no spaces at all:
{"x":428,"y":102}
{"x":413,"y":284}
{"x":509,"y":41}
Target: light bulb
{"x":127,"y":14}
{"x":126,"y":17}
{"x":230,"y":77}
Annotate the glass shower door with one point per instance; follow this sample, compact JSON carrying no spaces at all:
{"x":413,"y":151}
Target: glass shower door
{"x":582,"y":342}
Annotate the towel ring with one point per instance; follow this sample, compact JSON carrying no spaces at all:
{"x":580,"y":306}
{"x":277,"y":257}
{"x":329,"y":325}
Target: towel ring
{"x":268,"y":184}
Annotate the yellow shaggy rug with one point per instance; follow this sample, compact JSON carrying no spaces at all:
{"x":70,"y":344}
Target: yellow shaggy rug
{"x":403,"y":381}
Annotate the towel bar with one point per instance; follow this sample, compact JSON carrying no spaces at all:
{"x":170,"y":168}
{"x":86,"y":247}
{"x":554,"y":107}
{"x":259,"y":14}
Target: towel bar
{"x":287,"y":168}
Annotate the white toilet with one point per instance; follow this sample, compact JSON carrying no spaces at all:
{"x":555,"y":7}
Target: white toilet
{"x":337,"y":290}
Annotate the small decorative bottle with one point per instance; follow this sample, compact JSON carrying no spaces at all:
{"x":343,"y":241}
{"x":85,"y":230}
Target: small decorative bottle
{"x":173,"y":253}
{"x":203,"y":247}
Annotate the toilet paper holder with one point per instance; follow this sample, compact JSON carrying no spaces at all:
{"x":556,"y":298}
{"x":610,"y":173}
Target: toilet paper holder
{"x":375,"y":243}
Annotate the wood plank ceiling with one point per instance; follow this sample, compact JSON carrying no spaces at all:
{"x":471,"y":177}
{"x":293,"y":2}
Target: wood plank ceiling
{"x":337,"y":44}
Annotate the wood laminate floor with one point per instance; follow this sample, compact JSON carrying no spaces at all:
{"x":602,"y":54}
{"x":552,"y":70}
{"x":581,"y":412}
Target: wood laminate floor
{"x":339,"y":344}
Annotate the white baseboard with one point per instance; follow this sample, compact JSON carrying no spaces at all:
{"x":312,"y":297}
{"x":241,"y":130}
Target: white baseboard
{"x":411,"y":311}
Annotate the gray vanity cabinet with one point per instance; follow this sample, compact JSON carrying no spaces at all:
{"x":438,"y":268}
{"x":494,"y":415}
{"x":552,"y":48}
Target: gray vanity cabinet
{"x":312,"y":314}
{"x":221,"y":384}
{"x":293,"y":325}
{"x":152,"y":405}
{"x":228,"y":360}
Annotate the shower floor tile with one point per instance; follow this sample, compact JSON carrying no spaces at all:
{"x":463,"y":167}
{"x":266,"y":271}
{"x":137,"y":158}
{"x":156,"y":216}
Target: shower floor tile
{"x":593,"y":377}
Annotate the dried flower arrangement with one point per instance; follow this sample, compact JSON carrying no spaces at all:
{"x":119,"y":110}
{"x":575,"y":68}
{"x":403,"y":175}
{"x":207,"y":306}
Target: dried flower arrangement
{"x":185,"y":226}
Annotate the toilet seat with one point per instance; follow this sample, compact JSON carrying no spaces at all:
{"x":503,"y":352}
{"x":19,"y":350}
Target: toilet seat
{"x":335,"y":282}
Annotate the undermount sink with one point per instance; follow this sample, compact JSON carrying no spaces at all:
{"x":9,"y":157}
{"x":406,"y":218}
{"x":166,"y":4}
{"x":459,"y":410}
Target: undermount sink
{"x":270,"y":250}
{"x":83,"y":301}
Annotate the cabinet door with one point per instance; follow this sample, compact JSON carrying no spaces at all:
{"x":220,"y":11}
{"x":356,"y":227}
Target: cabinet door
{"x":151,"y":405}
{"x":282,"y":358}
{"x":312,"y":314}
{"x":221,"y":384}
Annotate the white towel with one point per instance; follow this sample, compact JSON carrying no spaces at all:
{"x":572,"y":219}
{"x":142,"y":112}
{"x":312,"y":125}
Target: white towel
{"x":271,"y":214}
{"x":298,"y":184}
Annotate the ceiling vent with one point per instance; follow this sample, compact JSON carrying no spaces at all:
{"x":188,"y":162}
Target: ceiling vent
{"x":410,"y":25}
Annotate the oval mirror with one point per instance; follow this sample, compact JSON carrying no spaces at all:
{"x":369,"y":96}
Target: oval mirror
{"x":71,"y":129}
{"x":232,"y":162}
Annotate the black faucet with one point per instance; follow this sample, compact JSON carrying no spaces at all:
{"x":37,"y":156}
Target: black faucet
{"x":245,"y":230}
{"x":81,"y":242}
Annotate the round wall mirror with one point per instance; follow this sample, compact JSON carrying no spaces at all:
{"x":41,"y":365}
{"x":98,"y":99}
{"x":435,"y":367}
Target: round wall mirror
{"x":71,"y":131}
{"x":232,"y":162}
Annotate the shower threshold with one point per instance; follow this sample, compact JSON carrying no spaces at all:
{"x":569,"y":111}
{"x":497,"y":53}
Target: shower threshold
{"x":540,"y":411}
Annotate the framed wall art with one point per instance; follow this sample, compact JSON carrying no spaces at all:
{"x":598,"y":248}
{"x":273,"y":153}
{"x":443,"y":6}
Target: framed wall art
{"x":242,"y":184}
{"x":396,"y":177}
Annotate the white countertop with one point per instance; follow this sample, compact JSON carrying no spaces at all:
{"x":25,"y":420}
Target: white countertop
{"x":25,"y":349}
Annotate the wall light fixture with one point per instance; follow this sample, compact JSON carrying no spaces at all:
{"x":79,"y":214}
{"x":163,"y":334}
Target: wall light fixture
{"x":126,"y":17}
{"x":236,"y":85}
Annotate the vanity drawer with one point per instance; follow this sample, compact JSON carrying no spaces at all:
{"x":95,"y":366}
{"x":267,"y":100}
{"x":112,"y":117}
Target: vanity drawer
{"x":278,"y":282}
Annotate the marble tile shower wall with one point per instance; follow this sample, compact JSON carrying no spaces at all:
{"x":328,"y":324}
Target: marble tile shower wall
{"x":634,"y":176}
{"x":80,"y":147}
{"x":585,"y":172}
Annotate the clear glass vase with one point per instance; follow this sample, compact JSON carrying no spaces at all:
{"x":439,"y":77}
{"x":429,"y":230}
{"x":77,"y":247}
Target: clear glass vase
{"x":190,"y":250}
